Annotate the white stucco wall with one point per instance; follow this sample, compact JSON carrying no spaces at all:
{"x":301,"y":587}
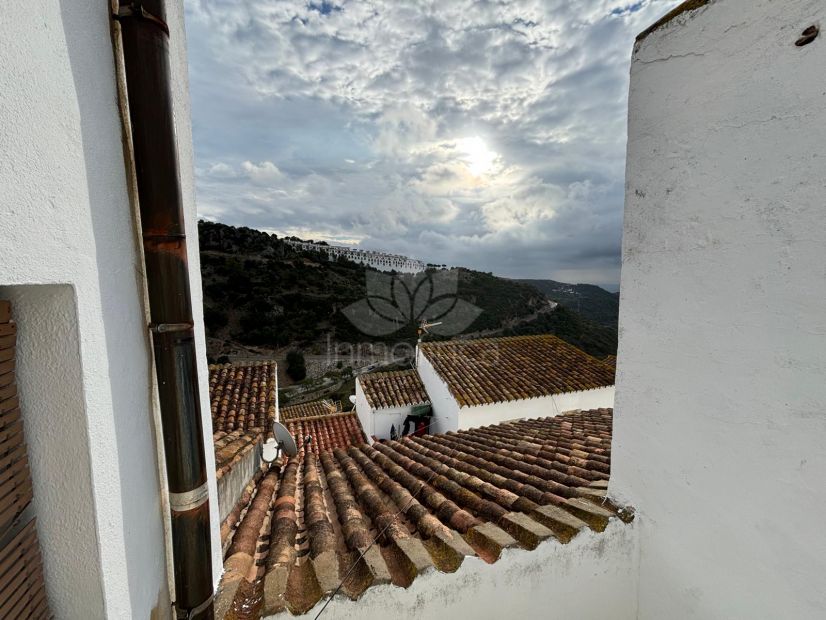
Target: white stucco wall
{"x":384,"y":419}
{"x":719,"y":426}
{"x":69,"y":246}
{"x":445,"y":414}
{"x":232,"y":484}
{"x":363,"y":410}
{"x":541,"y":407}
{"x":591,"y":578}
{"x":448,"y":416}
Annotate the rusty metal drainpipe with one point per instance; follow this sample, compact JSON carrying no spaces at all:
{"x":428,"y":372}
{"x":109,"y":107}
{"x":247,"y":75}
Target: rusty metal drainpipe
{"x":145,"y":44}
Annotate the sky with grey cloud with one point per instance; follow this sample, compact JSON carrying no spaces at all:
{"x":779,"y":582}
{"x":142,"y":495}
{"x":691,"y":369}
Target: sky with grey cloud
{"x":484,"y":134}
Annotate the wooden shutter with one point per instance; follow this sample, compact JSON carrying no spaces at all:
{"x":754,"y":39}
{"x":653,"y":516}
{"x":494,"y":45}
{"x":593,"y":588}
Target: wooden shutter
{"x":22,"y":590}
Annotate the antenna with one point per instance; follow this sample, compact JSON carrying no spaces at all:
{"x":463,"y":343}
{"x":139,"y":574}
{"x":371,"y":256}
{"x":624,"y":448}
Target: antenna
{"x":424,"y":327}
{"x":283,"y":442}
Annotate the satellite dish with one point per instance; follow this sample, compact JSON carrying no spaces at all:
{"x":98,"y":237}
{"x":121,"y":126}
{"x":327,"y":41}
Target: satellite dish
{"x":283,"y":442}
{"x":284,"y":438}
{"x":353,"y":400}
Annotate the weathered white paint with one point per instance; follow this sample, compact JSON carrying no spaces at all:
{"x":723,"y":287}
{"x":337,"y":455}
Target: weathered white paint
{"x":445,"y":409}
{"x":232,"y":484}
{"x":71,"y":265}
{"x":48,"y":349}
{"x":719,"y":428}
{"x":378,"y":422}
{"x":592,"y":577}
{"x":448,"y":416}
{"x":540,"y":407}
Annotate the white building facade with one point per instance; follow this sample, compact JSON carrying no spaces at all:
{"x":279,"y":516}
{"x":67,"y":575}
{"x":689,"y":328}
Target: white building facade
{"x":719,"y":427}
{"x":71,"y":268}
{"x":449,"y":415}
{"x":381,"y":261}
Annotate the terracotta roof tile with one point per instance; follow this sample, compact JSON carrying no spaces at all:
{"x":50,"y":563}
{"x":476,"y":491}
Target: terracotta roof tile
{"x":242,"y":395}
{"x":336,"y":430}
{"x":492,"y":370}
{"x":393,"y":389}
{"x":311,"y":409}
{"x":424,"y":501}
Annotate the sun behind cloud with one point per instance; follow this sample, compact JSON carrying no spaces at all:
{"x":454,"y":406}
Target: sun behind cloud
{"x":475,"y":154}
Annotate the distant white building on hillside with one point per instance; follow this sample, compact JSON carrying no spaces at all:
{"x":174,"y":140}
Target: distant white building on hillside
{"x":377,"y":260}
{"x":474,"y":383}
{"x":385,"y":399}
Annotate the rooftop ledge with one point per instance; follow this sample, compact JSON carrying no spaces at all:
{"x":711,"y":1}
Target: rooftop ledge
{"x":689,"y":5}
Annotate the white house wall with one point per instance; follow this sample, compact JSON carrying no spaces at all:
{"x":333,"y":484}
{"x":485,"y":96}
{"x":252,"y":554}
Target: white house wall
{"x":541,"y":407}
{"x":445,"y":409}
{"x":592,"y":577}
{"x":719,"y":427}
{"x":69,"y":246}
{"x":384,"y":419}
{"x":363,"y":410}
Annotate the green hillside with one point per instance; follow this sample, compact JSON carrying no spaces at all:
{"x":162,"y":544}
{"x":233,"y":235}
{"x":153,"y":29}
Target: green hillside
{"x":259,"y":291}
{"x":592,"y":302}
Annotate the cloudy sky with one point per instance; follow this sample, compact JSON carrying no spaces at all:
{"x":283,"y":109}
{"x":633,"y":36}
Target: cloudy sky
{"x":486,"y":134}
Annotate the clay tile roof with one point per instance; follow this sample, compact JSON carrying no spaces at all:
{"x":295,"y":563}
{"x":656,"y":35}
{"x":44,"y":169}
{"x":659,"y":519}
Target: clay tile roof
{"x":336,"y":430}
{"x":492,"y":370}
{"x":393,"y":389}
{"x":242,"y":396}
{"x":311,"y":409}
{"x":419,"y":502}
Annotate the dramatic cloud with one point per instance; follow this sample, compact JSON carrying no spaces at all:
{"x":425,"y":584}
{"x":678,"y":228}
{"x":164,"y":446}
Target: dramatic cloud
{"x":487,"y":134}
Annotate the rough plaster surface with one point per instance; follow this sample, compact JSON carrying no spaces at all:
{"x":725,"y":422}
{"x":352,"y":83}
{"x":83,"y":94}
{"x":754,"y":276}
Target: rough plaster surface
{"x":540,"y":407}
{"x":48,"y":348}
{"x":66,"y":220}
{"x":445,"y":410}
{"x":231,"y":486}
{"x":591,"y":578}
{"x":719,"y":426}
{"x":448,"y":416}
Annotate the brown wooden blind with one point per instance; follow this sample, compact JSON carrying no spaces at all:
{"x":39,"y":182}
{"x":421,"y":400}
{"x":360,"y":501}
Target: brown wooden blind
{"x":22,"y":590}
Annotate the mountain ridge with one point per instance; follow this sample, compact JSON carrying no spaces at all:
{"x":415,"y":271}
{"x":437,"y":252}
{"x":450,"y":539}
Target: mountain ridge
{"x":591,"y":301}
{"x":262,"y":294}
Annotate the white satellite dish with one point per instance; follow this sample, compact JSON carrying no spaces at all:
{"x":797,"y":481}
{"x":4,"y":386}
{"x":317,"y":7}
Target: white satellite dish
{"x":353,"y":400}
{"x":283,"y":442}
{"x":284,"y":438}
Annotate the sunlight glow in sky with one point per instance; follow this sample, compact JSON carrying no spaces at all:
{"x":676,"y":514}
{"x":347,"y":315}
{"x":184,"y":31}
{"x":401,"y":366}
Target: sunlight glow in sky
{"x":476,"y":155}
{"x":478,"y":133}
